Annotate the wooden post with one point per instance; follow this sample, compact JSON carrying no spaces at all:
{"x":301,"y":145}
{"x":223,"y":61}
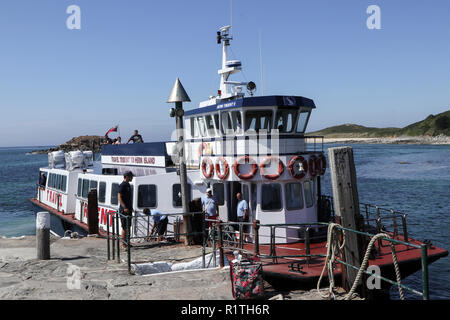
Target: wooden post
{"x":346,"y":204}
{"x":256,"y":229}
{"x":221,"y":256}
{"x":92,"y":212}
{"x":43,"y":235}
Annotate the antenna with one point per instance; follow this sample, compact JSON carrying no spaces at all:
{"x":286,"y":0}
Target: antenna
{"x":261,"y":62}
{"x":231,"y":12}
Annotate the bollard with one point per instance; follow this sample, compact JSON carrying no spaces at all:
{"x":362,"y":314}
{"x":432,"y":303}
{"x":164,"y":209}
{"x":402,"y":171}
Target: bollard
{"x":43,"y":235}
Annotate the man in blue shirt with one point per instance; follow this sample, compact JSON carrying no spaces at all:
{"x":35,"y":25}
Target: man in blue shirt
{"x":210,"y":207}
{"x":159,"y":222}
{"x":242,"y":209}
{"x":242,"y":214}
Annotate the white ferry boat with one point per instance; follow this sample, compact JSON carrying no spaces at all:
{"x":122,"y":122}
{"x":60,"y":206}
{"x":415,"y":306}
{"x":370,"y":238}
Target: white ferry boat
{"x":254,"y":145}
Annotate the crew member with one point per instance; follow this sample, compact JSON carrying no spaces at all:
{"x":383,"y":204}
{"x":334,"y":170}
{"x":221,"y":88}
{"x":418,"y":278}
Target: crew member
{"x":136,"y":138}
{"x":126,"y":206}
{"x":159,"y":223}
{"x":210,"y":207}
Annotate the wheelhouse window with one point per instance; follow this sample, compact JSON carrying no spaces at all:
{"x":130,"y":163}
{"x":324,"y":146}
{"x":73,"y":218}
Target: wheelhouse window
{"x":102,"y":192}
{"x":257,"y":120}
{"x":285,"y":120}
{"x":80,"y":186}
{"x":302,"y":121}
{"x":294,"y":196}
{"x":271,"y":197}
{"x":194,"y":130}
{"x":237,"y":121}
{"x":210,"y":125}
{"x":202,"y":126}
{"x":147,"y":196}
{"x":309,"y":194}
{"x":227,"y":123}
{"x":176,"y":195}
{"x":219,"y":193}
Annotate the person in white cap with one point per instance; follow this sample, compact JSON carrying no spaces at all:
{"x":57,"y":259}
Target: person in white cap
{"x":210,"y":207}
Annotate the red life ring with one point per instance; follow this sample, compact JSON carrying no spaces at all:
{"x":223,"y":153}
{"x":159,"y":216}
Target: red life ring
{"x":249,"y":175}
{"x":208,"y":174}
{"x":226,"y":168}
{"x":321,"y":164}
{"x":201,"y":147}
{"x":313,"y":166}
{"x":266,"y":162}
{"x":304,"y":163}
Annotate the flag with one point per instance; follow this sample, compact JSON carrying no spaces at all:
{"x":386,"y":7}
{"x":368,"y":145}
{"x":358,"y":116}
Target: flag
{"x":112,"y":130}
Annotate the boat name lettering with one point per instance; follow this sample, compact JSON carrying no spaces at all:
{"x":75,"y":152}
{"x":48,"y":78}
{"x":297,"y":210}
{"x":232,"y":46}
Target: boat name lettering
{"x":139,"y":160}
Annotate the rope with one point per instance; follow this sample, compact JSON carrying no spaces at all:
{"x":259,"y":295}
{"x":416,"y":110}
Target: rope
{"x":333,"y":247}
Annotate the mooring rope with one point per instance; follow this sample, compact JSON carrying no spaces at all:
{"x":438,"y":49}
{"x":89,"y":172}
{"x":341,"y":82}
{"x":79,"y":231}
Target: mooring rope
{"x":333,"y":247}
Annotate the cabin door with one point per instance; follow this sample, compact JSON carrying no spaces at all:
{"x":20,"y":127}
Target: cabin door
{"x":244,"y":190}
{"x":234,"y":188}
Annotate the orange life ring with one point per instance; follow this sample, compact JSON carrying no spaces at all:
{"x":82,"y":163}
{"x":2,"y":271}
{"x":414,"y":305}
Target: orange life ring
{"x":208,"y":174}
{"x":313,"y":166}
{"x":249,"y":175}
{"x":321,"y":164}
{"x":201,"y":147}
{"x":304,"y":163}
{"x":226,"y":168}
{"x":267,"y":161}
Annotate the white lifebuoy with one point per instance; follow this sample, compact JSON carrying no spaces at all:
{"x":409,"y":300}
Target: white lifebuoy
{"x":249,"y":175}
{"x":301,"y":173}
{"x":224,"y":175}
{"x":266,"y":162}
{"x":207,"y":174}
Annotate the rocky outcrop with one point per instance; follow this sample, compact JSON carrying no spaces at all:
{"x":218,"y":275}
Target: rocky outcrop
{"x":83,"y":143}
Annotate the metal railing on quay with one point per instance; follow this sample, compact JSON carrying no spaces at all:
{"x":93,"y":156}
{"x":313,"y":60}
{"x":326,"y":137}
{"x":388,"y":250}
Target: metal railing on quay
{"x":424,"y":263}
{"x":114,"y":237}
{"x":234,"y":236}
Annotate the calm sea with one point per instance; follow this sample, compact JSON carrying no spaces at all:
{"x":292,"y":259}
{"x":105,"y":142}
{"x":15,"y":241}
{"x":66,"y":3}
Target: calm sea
{"x":414,"y":179}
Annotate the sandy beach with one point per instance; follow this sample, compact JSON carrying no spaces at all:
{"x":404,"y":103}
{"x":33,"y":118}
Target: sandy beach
{"x":438,"y":140}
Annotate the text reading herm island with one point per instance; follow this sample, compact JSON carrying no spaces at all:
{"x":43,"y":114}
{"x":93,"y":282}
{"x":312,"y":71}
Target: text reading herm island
{"x":238,"y":309}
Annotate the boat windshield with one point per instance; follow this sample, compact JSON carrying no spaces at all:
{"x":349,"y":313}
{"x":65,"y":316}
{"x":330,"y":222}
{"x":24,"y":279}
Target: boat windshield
{"x":285,"y":120}
{"x":257,"y":120}
{"x":302,"y":121}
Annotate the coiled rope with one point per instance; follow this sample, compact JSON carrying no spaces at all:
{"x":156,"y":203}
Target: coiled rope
{"x":333,"y":247}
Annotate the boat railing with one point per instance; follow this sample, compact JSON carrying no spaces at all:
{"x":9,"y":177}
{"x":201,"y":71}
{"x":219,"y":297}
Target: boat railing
{"x":295,"y":257}
{"x":378,"y":219}
{"x":314,"y":143}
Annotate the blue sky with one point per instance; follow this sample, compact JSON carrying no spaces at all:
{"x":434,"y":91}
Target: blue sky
{"x":57,"y":83}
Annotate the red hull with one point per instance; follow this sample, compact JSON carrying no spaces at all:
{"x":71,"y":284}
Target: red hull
{"x":66,"y":217}
{"x":308,"y":272}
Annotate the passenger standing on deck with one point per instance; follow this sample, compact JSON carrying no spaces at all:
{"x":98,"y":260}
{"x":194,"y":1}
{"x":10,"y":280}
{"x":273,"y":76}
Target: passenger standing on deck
{"x":136,"y":138}
{"x":42,"y":180}
{"x":126,"y":206}
{"x":210,"y":207}
{"x":242,"y":213}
